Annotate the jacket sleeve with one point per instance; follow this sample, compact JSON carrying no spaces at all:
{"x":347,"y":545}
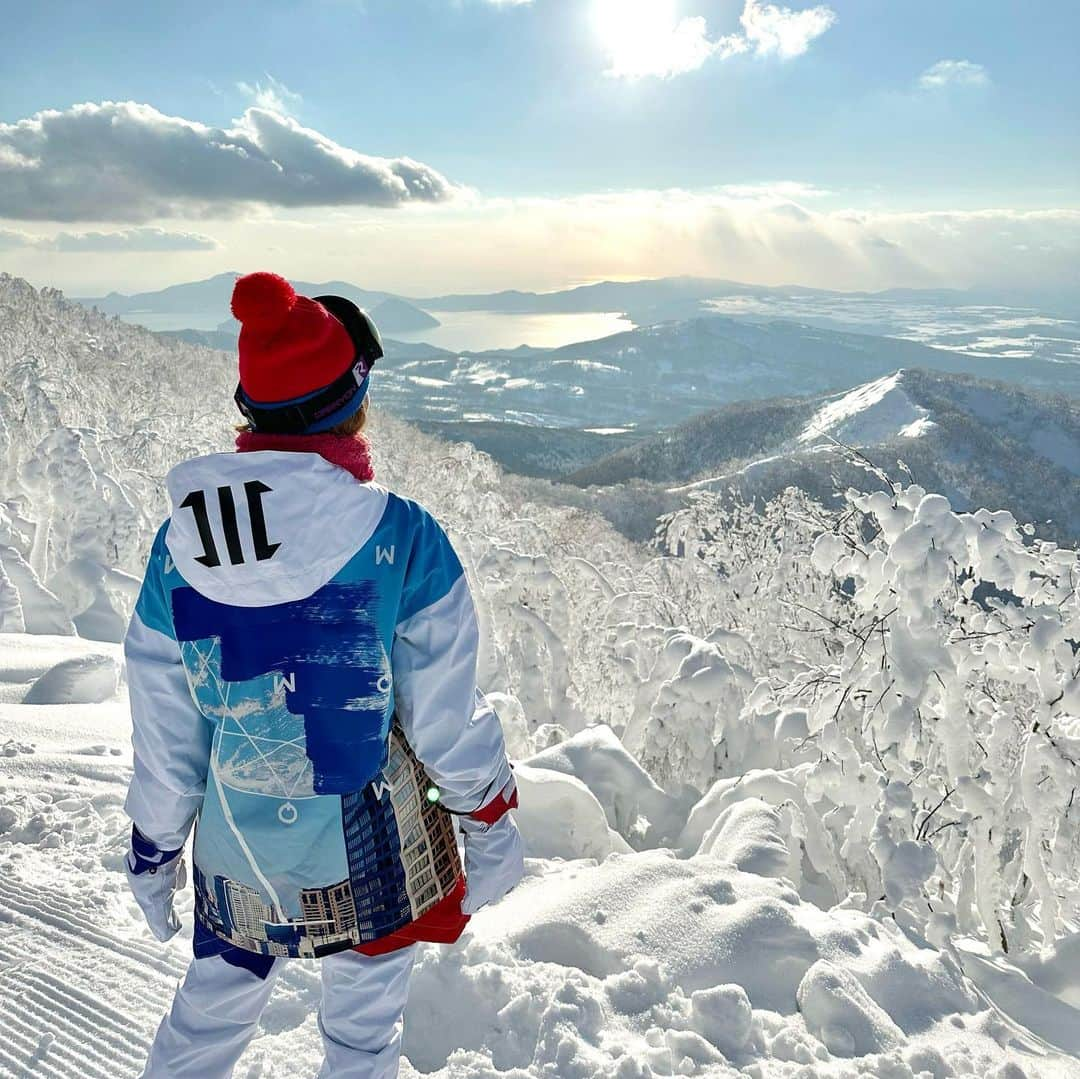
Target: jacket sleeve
{"x":453,"y":730}
{"x":170,"y":736}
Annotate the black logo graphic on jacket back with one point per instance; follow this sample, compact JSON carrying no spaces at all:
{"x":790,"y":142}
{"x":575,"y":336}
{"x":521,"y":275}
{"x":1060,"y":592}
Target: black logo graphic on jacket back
{"x":260,"y":542}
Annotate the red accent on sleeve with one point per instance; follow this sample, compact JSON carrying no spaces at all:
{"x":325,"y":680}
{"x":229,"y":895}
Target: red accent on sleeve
{"x":497,"y":808}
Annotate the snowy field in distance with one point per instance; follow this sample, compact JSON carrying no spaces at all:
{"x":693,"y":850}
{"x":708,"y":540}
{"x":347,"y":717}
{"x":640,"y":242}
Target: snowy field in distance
{"x":975,"y":330}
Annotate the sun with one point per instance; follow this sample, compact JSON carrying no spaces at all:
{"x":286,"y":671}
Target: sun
{"x":647,"y":37}
{"x":629,"y":29}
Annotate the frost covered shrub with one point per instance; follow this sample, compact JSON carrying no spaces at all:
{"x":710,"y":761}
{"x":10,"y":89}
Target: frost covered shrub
{"x":762,"y":554}
{"x":935,"y":656}
{"x":93,"y":412}
{"x":575,"y":618}
{"x":694,"y":726}
{"x":960,"y":685}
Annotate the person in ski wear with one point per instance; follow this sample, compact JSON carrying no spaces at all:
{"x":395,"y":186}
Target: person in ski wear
{"x":302,"y":670}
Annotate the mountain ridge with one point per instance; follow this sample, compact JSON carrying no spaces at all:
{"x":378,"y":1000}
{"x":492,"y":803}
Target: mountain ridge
{"x":976,"y":440}
{"x":973,"y":321}
{"x":395,"y":313}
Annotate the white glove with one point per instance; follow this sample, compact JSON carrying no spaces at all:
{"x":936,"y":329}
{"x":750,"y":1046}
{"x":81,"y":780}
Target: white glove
{"x":494,"y":861}
{"x":155,"y":876}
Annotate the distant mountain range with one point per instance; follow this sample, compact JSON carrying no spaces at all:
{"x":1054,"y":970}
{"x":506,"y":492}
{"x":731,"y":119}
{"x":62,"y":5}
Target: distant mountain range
{"x":681,"y":294}
{"x":981,"y":443}
{"x":666,"y":298}
{"x":543,"y":452}
{"x":644,"y":302}
{"x":978,"y":324}
{"x":659,"y":376}
{"x":655,"y":300}
{"x":647,"y":301}
{"x":209,"y":299}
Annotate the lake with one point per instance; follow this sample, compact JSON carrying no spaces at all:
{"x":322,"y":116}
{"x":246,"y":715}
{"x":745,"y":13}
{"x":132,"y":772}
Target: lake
{"x":477,"y":331}
{"x":474,"y":331}
{"x":176,"y":320}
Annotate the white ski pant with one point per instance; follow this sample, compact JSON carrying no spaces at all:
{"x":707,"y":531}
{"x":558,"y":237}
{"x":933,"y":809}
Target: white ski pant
{"x":216,"y":1011}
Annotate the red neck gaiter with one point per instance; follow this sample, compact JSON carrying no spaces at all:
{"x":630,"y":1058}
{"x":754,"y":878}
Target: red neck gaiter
{"x":352,"y":453}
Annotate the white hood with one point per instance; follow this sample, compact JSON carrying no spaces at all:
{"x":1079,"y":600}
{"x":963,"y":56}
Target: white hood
{"x":317,"y":514}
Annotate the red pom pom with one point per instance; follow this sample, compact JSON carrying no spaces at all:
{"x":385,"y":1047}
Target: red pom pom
{"x":262,"y":301}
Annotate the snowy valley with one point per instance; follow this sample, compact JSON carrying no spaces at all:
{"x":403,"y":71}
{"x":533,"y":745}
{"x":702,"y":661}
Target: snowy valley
{"x":981,"y":443}
{"x":685,"y":344}
{"x":658,"y":375}
{"x":798,"y":778}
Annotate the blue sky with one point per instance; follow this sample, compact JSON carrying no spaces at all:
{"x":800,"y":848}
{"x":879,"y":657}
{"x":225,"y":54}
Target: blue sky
{"x":551,"y":108}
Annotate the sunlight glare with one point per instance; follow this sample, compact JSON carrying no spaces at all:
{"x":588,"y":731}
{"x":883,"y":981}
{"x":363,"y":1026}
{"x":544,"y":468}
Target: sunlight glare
{"x":647,"y":38}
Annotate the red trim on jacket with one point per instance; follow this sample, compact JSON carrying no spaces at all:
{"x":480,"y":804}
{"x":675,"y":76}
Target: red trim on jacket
{"x":442,"y":924}
{"x":497,"y":808}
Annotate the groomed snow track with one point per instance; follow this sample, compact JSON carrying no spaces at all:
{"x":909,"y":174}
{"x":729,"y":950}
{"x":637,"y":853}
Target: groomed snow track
{"x":68,"y":990}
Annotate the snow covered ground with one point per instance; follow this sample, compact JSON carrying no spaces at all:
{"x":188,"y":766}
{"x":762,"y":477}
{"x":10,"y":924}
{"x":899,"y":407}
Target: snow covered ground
{"x":699,"y":960}
{"x":729,"y":761}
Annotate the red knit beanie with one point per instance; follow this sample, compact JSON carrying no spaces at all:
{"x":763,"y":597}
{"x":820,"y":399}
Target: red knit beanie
{"x":290,"y":346}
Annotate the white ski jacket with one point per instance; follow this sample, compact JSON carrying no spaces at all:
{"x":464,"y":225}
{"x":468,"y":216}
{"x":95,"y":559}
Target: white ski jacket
{"x":302,"y":671}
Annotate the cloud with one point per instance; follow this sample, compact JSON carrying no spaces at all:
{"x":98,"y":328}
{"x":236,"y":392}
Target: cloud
{"x":11,"y":240}
{"x":123,"y":161}
{"x":775,"y":234}
{"x":772,"y":234}
{"x":128,"y":240}
{"x":273,"y":95}
{"x":953,"y":73}
{"x":139,"y":239}
{"x":771,"y":29}
{"x":780,"y":189}
{"x":646,"y":38}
